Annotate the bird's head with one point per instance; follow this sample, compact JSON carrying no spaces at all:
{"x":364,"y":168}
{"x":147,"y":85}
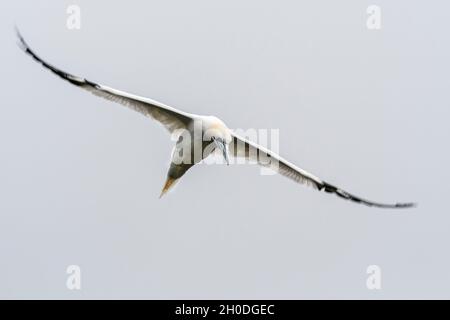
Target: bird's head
{"x":217,"y":132}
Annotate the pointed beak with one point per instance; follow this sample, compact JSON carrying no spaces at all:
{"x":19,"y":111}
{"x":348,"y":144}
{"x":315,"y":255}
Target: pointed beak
{"x":225,"y":154}
{"x":222,"y":146}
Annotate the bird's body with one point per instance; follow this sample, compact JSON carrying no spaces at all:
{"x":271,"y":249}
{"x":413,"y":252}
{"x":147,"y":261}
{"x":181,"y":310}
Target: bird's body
{"x":198,"y":136}
{"x":194,"y":145}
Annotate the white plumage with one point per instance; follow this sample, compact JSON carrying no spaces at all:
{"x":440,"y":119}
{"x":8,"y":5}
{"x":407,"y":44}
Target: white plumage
{"x":214,"y":134}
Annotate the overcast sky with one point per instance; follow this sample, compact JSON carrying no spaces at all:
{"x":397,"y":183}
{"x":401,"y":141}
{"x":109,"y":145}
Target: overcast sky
{"x":363,"y":109}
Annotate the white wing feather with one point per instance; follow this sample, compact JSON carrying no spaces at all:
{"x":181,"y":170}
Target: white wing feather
{"x":241,"y":147}
{"x":169,"y":117}
{"x":173,"y":119}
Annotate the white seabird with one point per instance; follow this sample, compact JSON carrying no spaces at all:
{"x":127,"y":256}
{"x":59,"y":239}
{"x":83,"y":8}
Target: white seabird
{"x":214,"y":135}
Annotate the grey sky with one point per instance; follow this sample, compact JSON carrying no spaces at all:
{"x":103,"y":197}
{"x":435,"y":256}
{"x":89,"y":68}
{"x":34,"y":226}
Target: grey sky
{"x":366,"y":110}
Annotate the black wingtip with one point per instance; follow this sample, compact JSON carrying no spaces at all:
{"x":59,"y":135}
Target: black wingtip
{"x":348,"y":196}
{"x":406,"y":205}
{"x":21,"y":42}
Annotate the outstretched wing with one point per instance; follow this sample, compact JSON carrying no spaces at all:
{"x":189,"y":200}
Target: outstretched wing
{"x":171,"y":118}
{"x":242,"y":148}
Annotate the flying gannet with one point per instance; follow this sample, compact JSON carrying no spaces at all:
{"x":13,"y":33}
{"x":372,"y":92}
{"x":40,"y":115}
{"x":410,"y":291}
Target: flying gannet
{"x":214,"y":135}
